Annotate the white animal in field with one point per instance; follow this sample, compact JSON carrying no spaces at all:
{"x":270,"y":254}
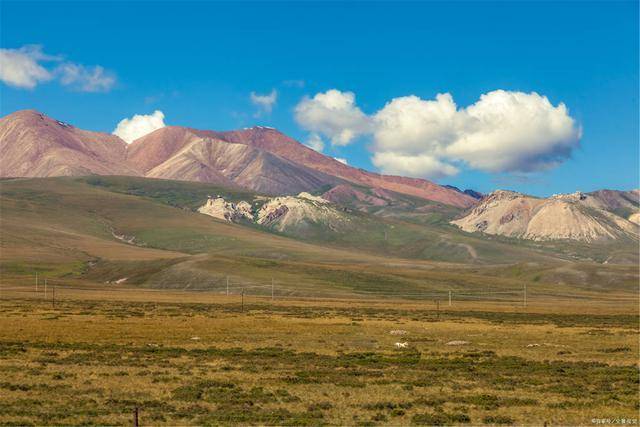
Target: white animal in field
{"x":402,"y":344}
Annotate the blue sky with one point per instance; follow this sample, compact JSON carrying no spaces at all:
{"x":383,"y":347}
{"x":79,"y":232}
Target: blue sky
{"x":199,"y":62}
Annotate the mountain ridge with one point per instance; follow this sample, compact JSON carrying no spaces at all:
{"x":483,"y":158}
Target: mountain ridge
{"x":34,"y":145}
{"x":273,"y":163}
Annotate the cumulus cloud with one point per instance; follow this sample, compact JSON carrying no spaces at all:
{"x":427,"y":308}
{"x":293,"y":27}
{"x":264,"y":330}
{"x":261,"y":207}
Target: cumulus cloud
{"x":21,"y":68}
{"x":315,"y":142}
{"x":29,"y":66}
{"x":412,"y":125}
{"x":415,"y":165}
{"x":264,"y":103}
{"x":503,"y":132}
{"x":139,"y":125}
{"x":333,"y":114}
{"x":515,"y":132}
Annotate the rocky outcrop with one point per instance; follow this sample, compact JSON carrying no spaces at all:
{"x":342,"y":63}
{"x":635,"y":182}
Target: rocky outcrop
{"x":578,"y":216}
{"x":282,"y":214}
{"x":219,"y":208}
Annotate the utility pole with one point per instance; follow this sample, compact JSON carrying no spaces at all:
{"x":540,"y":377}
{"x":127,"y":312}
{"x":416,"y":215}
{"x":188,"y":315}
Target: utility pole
{"x":438,"y":309}
{"x":135,"y":417}
{"x":449,"y":298}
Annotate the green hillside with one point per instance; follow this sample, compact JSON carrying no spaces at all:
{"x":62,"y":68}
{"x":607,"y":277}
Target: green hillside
{"x":103,"y":229}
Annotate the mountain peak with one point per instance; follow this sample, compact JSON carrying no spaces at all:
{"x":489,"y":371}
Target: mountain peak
{"x":35,"y":145}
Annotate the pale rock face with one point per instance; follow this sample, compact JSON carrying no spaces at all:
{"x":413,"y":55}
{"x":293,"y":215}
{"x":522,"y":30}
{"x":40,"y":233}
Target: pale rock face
{"x":221,"y":209}
{"x":278,"y":213}
{"x":289,"y":211}
{"x":635,"y":218}
{"x":578,"y":216}
{"x":561,"y":220}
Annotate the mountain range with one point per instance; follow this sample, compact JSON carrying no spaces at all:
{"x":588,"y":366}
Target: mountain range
{"x":259,"y":158}
{"x":265,"y":161}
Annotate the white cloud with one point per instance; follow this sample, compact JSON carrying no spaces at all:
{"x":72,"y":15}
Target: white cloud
{"x":264,"y":103}
{"x":412,"y":125}
{"x":333,"y":114}
{"x":86,"y":79}
{"x":342,"y":160}
{"x":416,"y":165}
{"x":503,"y":131}
{"x":315,"y":142}
{"x":20,"y":67}
{"x":139,"y":125}
{"x":26,"y":68}
{"x":515,"y":132}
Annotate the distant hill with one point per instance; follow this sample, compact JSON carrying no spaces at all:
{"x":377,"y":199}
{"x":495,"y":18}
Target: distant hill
{"x":473,"y":193}
{"x":587,"y":217}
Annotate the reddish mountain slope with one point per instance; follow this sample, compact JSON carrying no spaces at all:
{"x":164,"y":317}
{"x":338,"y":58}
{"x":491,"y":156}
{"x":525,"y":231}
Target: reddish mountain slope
{"x":258,"y":158}
{"x":34,"y":145}
{"x":275,"y":142}
{"x":159,"y":146}
{"x":190,"y":155}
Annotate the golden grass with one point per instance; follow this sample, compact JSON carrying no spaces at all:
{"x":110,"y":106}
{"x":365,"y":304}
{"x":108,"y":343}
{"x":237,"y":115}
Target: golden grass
{"x":196,"y":358}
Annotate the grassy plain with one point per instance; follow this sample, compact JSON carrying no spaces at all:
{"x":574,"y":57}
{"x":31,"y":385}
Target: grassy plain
{"x":203,"y":358}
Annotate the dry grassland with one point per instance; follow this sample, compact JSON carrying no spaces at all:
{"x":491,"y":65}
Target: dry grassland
{"x":202,"y":358}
